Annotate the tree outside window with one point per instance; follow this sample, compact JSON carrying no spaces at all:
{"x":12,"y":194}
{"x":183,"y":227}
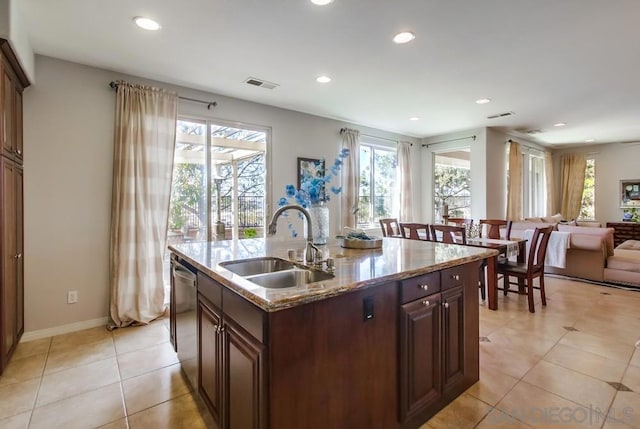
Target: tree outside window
{"x":588,"y":206}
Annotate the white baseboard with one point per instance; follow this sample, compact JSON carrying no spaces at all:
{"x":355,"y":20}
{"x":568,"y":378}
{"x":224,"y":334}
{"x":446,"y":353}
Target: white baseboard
{"x":63,"y":329}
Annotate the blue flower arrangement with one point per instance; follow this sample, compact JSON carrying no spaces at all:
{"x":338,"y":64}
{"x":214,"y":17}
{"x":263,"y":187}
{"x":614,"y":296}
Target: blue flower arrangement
{"x":313,"y":187}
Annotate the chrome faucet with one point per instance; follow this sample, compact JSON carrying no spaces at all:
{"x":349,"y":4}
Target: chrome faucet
{"x":310,"y":252}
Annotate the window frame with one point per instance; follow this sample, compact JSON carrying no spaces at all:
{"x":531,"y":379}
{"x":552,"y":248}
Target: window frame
{"x":376,"y":144}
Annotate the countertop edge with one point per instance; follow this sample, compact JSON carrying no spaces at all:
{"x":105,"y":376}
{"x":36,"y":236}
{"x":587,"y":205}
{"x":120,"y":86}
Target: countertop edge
{"x":312,"y":295}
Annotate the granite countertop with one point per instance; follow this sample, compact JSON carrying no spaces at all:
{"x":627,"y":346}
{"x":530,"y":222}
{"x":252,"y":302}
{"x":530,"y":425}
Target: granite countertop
{"x":355,"y":269}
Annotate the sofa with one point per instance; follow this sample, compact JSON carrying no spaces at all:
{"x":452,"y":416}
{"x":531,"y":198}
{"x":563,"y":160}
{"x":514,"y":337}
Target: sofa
{"x":624,"y":265}
{"x":589,"y":247}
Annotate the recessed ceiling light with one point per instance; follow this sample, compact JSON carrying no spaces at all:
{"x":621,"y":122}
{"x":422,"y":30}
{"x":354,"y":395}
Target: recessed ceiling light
{"x":414,"y":118}
{"x":483,"y":101}
{"x":559,"y":124}
{"x":321,"y":2}
{"x":146,"y":23}
{"x":404,"y":37}
{"x":323,"y":79}
{"x":590,"y":140}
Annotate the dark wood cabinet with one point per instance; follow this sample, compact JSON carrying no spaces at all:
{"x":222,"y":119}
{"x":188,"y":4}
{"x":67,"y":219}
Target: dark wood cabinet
{"x":231,"y":361}
{"x":438,"y":344}
{"x":390,"y":355}
{"x":12,"y":82}
{"x":243,"y":360}
{"x":210,"y":355}
{"x":624,"y":231}
{"x":420,"y":356}
{"x":10,"y":110}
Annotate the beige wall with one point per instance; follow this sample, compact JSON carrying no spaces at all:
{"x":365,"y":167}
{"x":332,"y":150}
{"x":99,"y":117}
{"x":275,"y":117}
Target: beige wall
{"x":614,"y":162}
{"x":68,"y":137}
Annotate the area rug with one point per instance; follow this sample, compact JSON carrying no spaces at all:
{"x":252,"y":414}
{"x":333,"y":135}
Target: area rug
{"x":594,"y":282}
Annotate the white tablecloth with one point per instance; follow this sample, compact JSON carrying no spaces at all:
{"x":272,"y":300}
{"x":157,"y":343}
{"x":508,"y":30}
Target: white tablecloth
{"x":556,"y":249}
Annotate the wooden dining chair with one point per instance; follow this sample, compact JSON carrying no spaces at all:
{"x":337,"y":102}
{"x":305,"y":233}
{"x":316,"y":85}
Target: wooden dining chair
{"x":449,"y":234}
{"x":390,"y":227}
{"x":533,"y":268}
{"x":415,"y":231}
{"x":493,"y":228}
{"x":460,"y":221}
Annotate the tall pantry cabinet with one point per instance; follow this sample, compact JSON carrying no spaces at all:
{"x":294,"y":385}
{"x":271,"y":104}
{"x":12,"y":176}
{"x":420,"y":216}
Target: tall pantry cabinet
{"x":12,"y":82}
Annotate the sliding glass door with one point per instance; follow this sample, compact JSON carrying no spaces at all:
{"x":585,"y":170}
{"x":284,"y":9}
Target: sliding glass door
{"x":219,"y":182}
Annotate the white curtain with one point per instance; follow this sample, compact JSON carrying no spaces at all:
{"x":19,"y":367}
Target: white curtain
{"x":514,"y":184}
{"x":403,"y":172}
{"x":145,"y":133}
{"x":548,"y":173}
{"x":350,"y":173}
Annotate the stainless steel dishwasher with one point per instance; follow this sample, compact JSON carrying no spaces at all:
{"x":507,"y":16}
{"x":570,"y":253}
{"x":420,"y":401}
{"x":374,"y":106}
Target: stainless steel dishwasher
{"x":186,"y":324}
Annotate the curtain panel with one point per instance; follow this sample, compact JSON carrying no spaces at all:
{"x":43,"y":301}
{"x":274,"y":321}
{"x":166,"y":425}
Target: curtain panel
{"x":145,"y":134}
{"x":405,"y":211}
{"x":514,"y":183}
{"x":350,"y":173}
{"x":573,"y":171}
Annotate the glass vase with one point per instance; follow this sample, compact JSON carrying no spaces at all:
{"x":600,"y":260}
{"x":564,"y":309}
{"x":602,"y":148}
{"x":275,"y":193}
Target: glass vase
{"x":319,"y":214}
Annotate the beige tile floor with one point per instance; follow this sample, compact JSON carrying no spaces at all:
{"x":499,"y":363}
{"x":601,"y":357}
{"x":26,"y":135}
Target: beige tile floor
{"x":573,"y":364}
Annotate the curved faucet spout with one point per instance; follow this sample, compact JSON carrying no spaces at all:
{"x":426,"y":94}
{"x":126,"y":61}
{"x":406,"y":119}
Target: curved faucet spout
{"x":309,"y":253}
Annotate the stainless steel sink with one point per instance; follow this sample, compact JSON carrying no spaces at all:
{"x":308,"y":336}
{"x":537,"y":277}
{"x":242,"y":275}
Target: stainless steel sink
{"x":289,"y":278}
{"x":251,"y":267}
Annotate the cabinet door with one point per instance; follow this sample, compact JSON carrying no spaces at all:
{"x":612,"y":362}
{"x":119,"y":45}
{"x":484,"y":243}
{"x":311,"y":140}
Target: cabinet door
{"x":9,"y":301}
{"x":420,"y":373}
{"x":209,"y":357}
{"x":8,"y":109}
{"x":453,"y":336}
{"x":18,"y":123}
{"x":19,"y":229}
{"x":244,"y":374}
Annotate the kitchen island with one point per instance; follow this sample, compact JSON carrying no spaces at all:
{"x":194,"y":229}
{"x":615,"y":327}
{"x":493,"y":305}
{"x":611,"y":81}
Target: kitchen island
{"x":386,"y":342}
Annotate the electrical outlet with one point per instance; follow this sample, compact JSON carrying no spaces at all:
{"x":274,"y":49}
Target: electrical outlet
{"x":72,"y":297}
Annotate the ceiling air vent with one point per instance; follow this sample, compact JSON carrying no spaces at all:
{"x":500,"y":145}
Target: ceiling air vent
{"x":532,"y":132}
{"x":500,"y":115}
{"x":261,"y":83}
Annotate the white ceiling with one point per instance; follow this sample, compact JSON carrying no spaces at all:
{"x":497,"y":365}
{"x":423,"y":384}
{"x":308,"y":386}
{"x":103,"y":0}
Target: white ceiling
{"x":549,"y":61}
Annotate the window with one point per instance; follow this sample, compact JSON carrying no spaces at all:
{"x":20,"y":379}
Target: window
{"x":452,"y":183}
{"x":534,"y":190}
{"x":377,"y":176}
{"x":588,"y":206}
{"x":534,"y":187}
{"x":219,"y":182}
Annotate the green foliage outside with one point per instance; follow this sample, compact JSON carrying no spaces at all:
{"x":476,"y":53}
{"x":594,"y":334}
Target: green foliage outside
{"x":377,"y":179}
{"x":587,"y":208}
{"x":452,"y":186}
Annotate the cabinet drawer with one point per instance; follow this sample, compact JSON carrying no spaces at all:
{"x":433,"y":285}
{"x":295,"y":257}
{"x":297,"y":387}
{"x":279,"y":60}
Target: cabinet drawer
{"x":210,"y":289}
{"x":245,"y":314}
{"x":418,"y":287}
{"x":452,"y":277}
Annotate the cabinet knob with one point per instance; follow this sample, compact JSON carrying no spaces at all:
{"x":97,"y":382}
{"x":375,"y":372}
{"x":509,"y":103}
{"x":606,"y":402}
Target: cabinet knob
{"x":446,"y":305}
{"x":424,"y":287}
{"x":18,"y":256}
{"x":456,"y":277}
{"x":19,"y":152}
{"x":219,"y":328}
{"x":426,"y":302}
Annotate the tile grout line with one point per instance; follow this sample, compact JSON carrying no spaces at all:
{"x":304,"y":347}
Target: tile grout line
{"x":35,"y":399}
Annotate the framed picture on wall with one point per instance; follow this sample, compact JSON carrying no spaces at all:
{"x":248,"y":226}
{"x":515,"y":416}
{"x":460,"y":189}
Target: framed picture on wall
{"x":309,"y":168}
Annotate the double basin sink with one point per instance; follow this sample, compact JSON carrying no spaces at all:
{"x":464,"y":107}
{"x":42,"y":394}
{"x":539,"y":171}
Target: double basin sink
{"x":275,"y":273}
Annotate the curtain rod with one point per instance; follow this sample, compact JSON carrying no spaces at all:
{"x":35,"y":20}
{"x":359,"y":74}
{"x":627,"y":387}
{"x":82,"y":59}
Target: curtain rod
{"x":342,"y":130}
{"x":526,"y":145}
{"x":450,"y":140}
{"x":209,"y":104}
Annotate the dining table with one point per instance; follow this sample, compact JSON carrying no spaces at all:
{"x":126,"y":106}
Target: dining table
{"x":506,"y":248}
{"x":512,"y":247}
